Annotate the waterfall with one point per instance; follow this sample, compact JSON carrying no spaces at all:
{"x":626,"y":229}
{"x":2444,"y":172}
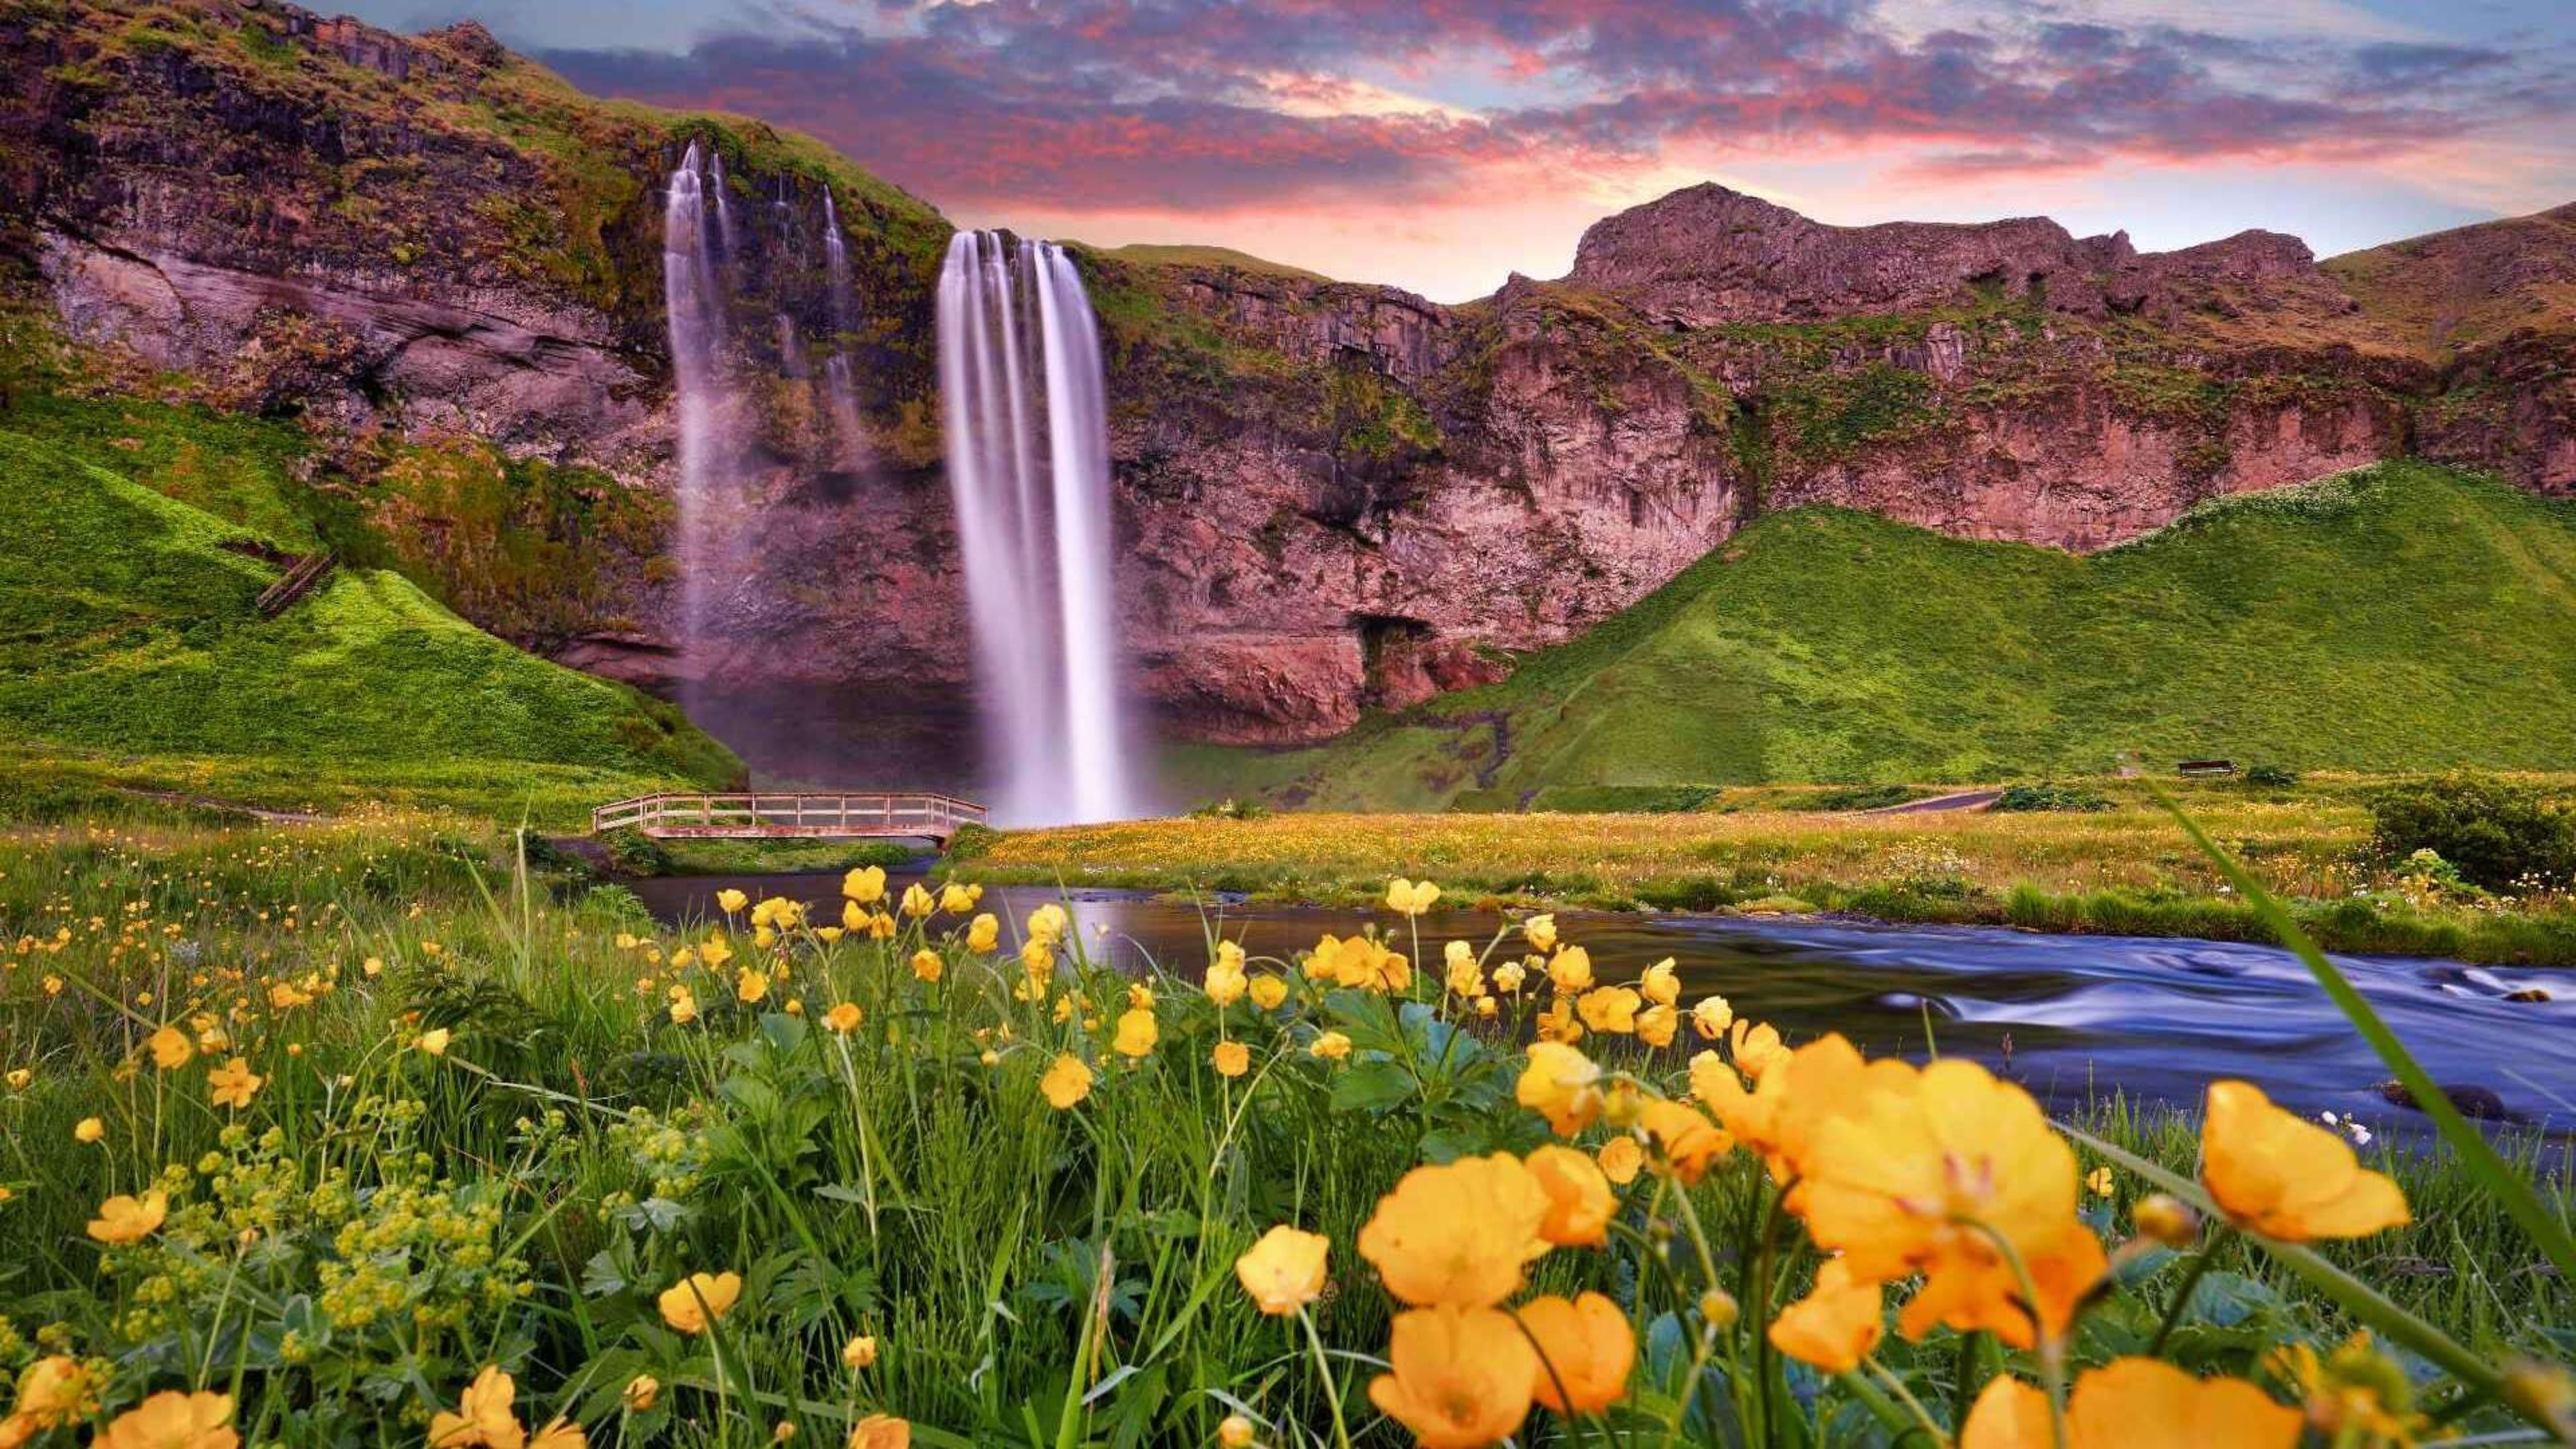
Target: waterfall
{"x":1019,"y":357}
{"x":724,"y":213}
{"x":840,"y":394}
{"x":695,"y":311}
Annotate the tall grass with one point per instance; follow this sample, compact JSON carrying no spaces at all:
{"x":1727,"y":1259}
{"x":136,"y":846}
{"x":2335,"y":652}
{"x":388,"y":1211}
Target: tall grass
{"x":345,"y":1252}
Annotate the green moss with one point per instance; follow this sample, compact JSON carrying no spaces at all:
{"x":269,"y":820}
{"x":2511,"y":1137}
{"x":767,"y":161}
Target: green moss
{"x":1373,"y":416}
{"x":1834,"y":414}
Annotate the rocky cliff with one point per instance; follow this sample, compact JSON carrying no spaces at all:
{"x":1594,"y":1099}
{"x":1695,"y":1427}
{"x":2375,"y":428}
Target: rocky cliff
{"x":1331,"y":496}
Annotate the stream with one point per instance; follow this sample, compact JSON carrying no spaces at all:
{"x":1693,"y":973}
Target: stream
{"x":2073,"y":1018}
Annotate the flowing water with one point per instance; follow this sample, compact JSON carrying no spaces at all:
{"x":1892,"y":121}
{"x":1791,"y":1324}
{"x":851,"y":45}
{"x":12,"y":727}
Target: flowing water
{"x":694,"y":309}
{"x":840,"y":390}
{"x":1028,"y":466}
{"x":2073,"y":1018}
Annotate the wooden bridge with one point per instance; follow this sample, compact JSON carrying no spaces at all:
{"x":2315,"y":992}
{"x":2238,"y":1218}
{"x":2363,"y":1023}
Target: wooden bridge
{"x":809,"y":815}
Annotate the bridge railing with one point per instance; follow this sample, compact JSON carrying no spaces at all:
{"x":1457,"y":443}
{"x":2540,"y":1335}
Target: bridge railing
{"x":790,"y":813}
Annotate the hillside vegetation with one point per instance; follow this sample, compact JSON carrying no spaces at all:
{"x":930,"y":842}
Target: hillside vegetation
{"x":129,"y":640}
{"x":2401,"y":617}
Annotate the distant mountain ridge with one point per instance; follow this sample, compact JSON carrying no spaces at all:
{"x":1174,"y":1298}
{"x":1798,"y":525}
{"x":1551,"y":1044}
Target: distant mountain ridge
{"x":1332,"y":497}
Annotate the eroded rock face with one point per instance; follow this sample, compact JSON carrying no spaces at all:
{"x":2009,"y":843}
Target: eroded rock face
{"x":1331,"y":497}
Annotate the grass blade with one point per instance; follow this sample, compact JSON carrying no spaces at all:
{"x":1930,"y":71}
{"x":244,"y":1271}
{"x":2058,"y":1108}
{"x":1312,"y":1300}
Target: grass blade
{"x":2519,"y":1200}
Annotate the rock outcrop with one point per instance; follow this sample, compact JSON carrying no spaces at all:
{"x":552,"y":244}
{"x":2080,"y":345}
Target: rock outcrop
{"x":1332,"y":497}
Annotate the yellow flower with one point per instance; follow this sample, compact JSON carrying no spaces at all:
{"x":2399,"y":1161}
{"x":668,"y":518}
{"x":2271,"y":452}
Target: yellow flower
{"x":1463,"y":974}
{"x":1753,"y":1046}
{"x":123,"y":1219}
{"x":1284,"y":1270}
{"x":750,"y":985}
{"x":854,"y":918}
{"x":1049,"y":922}
{"x":2354,"y":1395}
{"x":1461,"y":1377}
{"x":1922,"y":1172}
{"x":1655,"y":1025}
{"x":175,"y":1420}
{"x":1562,"y":1085}
{"x":1225,"y":982}
{"x":1509,"y":976}
{"x":2286,"y":1177}
{"x":1232,"y":1059}
{"x":1611,"y":1009}
{"x":171,"y":1048}
{"x":1066,"y":1082}
{"x":983,"y":934}
{"x":927,"y":965}
{"x":1410,"y":898}
{"x":434,"y":1041}
{"x":1571,"y":970}
{"x":1331,"y":1046}
{"x":1540,"y":932}
{"x":19,"y":1077}
{"x":2133,"y":1403}
{"x":1584,"y":1348}
{"x":777,"y":913}
{"x":1579,"y":1201}
{"x":917,"y":902}
{"x":1659,"y":985}
{"x":844,"y":1017}
{"x":957,"y":899}
{"x":859,"y":1353}
{"x":1457,"y":1233}
{"x":2098,"y":1181}
{"x":234,"y":1083}
{"x":699,"y":1300}
{"x":1268,"y":991}
{"x":684,"y":1006}
{"x":865,"y":885}
{"x":642,"y":1392}
{"x":715,"y":951}
{"x":1711,"y":1017}
{"x":731,"y":901}
{"x":880,"y":1431}
{"x":51,"y":1391}
{"x":1685,"y":1140}
{"x":1137,"y":1032}
{"x":1235,"y":1432}
{"x":1620,"y":1158}
{"x":1557,"y":1023}
{"x":2161,"y":1217}
{"x":373,"y":966}
{"x":483,"y":1417}
{"x":565,"y":1434}
{"x":1836,"y":1325}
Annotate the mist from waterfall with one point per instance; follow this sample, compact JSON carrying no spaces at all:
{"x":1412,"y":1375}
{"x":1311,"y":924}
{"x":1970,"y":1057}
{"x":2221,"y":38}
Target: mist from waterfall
{"x":695,"y":309}
{"x":840,"y":393}
{"x":1028,"y":465}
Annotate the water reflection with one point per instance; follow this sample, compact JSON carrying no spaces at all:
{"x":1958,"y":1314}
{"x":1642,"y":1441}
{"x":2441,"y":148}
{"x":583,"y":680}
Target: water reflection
{"x":2069,"y":1016}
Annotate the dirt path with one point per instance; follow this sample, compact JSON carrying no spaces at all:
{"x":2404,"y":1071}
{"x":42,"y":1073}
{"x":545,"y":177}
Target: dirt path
{"x":1963,"y":800}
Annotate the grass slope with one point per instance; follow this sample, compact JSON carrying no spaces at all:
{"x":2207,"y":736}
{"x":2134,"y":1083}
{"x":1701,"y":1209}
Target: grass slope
{"x":2401,"y":617}
{"x":126,"y":629}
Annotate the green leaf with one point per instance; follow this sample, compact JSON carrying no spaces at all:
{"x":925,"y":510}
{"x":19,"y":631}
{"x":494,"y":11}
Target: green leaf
{"x":1373,"y":1086}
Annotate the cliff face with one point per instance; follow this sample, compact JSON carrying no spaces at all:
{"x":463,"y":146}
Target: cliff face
{"x":1330,"y":496}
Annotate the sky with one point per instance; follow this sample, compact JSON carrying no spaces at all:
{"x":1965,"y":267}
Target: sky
{"x":1441,"y":145}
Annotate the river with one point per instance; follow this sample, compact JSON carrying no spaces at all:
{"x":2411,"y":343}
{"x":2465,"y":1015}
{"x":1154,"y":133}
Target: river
{"x":2070,"y":1017}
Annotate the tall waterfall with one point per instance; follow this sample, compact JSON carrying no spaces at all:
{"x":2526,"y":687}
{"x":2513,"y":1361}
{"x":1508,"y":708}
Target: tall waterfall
{"x":1019,"y":361}
{"x":696,"y":314}
{"x":840,"y":394}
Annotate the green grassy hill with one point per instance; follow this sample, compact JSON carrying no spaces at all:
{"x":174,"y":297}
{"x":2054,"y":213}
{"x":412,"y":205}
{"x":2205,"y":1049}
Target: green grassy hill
{"x":2405,"y":616}
{"x":130,"y":650}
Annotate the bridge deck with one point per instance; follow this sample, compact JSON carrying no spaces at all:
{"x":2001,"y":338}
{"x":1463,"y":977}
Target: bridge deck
{"x":792,"y":815}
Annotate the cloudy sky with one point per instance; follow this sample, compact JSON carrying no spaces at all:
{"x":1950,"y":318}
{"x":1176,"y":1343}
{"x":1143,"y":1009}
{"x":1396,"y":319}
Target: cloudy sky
{"x":1440,"y":144}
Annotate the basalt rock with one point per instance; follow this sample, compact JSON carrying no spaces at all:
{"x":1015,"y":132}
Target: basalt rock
{"x":1331,"y":497}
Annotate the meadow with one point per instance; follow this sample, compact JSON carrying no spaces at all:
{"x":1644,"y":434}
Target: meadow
{"x":371,"y":1131}
{"x":2126,"y":868}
